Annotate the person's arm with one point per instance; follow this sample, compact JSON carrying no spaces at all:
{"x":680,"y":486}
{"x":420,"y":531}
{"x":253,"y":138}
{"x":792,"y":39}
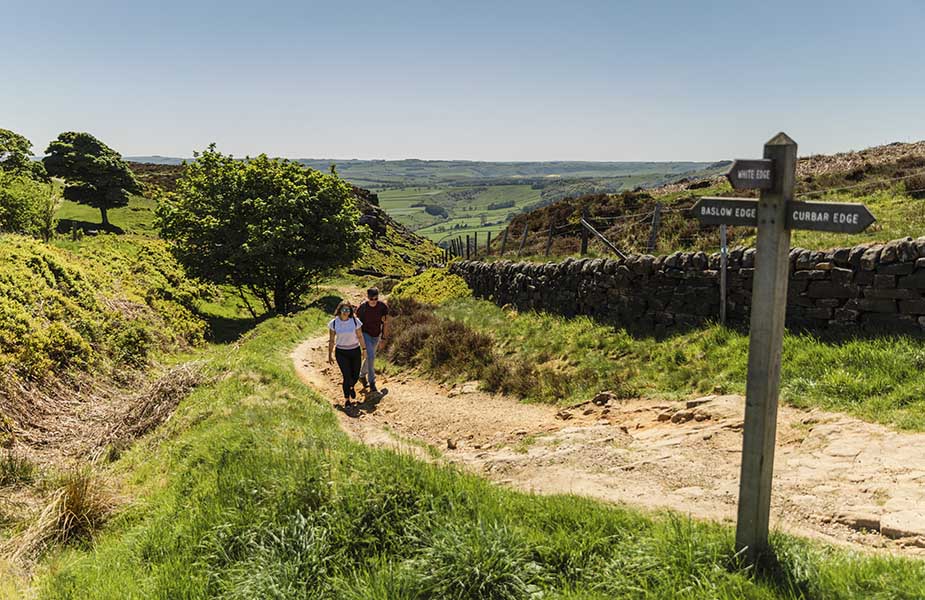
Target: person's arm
{"x":361,"y":340}
{"x":385,"y":326}
{"x":330,"y":347}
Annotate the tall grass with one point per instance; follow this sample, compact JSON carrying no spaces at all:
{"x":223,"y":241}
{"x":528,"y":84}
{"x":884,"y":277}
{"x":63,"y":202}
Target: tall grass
{"x":252,"y":491}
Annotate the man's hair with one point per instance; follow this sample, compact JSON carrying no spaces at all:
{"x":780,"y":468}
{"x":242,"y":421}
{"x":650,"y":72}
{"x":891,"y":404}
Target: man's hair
{"x":373,"y":292}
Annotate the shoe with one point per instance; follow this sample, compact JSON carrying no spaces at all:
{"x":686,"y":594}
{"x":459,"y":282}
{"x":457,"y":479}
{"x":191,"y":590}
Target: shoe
{"x":363,"y":381}
{"x":373,"y":390}
{"x":347,"y":403}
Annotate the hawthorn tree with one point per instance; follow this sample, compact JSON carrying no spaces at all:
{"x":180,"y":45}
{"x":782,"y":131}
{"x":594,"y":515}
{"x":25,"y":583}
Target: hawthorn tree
{"x":265,"y":225}
{"x":95,"y":174}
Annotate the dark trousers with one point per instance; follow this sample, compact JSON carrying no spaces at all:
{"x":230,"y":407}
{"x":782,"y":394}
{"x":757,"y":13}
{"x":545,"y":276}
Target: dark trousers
{"x":349,"y":362}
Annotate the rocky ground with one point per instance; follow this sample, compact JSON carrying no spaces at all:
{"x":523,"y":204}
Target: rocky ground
{"x":836,"y":478}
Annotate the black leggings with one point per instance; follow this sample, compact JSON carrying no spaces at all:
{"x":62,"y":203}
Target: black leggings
{"x":349,"y":362}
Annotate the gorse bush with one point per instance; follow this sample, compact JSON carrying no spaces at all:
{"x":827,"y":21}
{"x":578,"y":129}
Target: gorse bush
{"x":103,"y":303}
{"x":433,"y":286}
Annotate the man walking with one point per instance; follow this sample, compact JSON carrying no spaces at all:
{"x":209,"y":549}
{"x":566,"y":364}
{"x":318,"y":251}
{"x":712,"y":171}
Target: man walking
{"x":374,"y":316}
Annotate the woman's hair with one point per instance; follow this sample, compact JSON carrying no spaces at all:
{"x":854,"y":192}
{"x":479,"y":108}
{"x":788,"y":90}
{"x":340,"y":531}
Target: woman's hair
{"x":342,"y":304}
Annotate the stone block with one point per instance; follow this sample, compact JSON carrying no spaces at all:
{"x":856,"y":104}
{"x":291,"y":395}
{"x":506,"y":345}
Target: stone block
{"x":829,"y":302}
{"x":915,"y":281}
{"x":842,"y":276}
{"x":912,"y":307}
{"x":871,"y":258}
{"x":819,"y":313}
{"x":827,"y":289}
{"x":895,"y":293}
{"x":872,"y":305}
{"x":840,"y":257}
{"x":846,"y":314}
{"x":897,"y":268}
{"x":884,"y":281}
{"x":813,"y":274}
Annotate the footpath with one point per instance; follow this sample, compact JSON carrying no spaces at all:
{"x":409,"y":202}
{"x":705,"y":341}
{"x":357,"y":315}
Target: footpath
{"x":837,"y":478}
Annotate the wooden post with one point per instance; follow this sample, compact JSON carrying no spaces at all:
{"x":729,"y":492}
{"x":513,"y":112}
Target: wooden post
{"x":468,"y":248}
{"x":523,"y":240}
{"x":723,"y":259}
{"x":769,"y":305}
{"x":552,"y":230}
{"x":584,"y":232}
{"x":475,"y":245}
{"x":488,"y":244}
{"x":504,"y":240}
{"x":653,"y":233}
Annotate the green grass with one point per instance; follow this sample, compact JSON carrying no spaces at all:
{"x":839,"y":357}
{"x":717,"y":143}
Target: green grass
{"x":880,"y":380}
{"x":252,"y":491}
{"x":137,"y":217}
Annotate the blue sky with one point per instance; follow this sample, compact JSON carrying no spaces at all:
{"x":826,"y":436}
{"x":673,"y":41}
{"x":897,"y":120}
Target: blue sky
{"x":474,"y":80}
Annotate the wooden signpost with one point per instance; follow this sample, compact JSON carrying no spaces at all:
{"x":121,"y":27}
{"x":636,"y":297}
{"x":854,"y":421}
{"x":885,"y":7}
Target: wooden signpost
{"x":775,"y":213}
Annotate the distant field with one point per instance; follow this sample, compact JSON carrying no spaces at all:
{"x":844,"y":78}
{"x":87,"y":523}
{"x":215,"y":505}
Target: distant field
{"x":469,"y":209}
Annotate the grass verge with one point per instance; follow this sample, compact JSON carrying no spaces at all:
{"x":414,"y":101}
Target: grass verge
{"x":568,"y":360}
{"x":252,"y":491}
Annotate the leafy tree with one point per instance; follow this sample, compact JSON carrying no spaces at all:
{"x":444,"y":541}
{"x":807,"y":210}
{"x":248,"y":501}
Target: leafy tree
{"x":266,"y":225}
{"x":96,"y":175}
{"x":16,"y":156}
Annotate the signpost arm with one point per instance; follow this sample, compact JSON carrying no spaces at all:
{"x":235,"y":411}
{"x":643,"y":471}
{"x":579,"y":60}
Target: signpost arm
{"x":769,"y":303}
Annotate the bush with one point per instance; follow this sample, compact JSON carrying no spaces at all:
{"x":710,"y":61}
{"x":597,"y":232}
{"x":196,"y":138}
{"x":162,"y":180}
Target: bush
{"x":457,"y":347}
{"x":433,"y":286}
{"x":27,"y":206}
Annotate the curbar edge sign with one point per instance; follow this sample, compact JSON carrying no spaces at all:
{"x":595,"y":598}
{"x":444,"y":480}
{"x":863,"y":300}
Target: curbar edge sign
{"x":751,"y":174}
{"x":840,"y":217}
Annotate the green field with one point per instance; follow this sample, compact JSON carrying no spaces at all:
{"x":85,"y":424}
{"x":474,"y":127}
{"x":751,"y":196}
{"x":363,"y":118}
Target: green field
{"x":137,"y":217}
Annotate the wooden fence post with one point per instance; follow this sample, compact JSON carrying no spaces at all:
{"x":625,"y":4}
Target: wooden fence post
{"x":723,"y":258}
{"x":504,"y":240}
{"x":468,"y":247}
{"x":488,"y":245}
{"x":552,"y":229}
{"x":766,"y":333}
{"x":653,"y":233}
{"x":584,"y":232}
{"x":475,"y":245}
{"x":586,"y":227}
{"x":523,"y":240}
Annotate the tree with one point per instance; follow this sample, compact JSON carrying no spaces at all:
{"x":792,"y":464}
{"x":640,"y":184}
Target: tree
{"x":16,"y":156}
{"x":96,"y":175}
{"x":266,"y":225}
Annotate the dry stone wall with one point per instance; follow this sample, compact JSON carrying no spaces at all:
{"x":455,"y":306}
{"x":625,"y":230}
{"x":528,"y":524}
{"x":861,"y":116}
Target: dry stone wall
{"x":872,"y":289}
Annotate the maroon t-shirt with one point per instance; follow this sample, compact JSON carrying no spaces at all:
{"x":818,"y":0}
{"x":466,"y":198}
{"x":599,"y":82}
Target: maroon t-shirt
{"x":372,"y":317}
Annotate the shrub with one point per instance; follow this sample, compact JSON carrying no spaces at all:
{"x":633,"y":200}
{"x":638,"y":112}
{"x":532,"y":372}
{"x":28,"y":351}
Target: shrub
{"x":15,"y":468}
{"x":455,"y":346}
{"x":433,"y":286}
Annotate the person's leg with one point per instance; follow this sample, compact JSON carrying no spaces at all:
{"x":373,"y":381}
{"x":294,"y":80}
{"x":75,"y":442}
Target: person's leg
{"x":356,"y":361}
{"x":364,"y":373}
{"x":344,"y":362}
{"x":369,"y":363}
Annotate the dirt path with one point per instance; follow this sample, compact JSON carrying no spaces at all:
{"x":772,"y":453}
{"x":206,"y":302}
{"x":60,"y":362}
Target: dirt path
{"x":836,"y":478}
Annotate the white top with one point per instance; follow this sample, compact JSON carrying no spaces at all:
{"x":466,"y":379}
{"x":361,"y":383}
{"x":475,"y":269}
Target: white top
{"x":346,"y":332}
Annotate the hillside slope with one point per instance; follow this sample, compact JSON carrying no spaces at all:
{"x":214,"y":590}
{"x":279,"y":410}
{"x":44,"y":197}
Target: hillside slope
{"x":889,"y":179}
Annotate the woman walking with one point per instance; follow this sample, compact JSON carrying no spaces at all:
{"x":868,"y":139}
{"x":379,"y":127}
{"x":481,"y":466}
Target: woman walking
{"x":345,"y":336}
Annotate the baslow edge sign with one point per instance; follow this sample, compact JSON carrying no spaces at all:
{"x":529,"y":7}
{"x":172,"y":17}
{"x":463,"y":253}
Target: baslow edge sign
{"x":839,"y":217}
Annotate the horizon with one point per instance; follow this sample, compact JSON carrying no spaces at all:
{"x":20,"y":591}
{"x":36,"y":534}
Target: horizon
{"x":523,"y":82}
